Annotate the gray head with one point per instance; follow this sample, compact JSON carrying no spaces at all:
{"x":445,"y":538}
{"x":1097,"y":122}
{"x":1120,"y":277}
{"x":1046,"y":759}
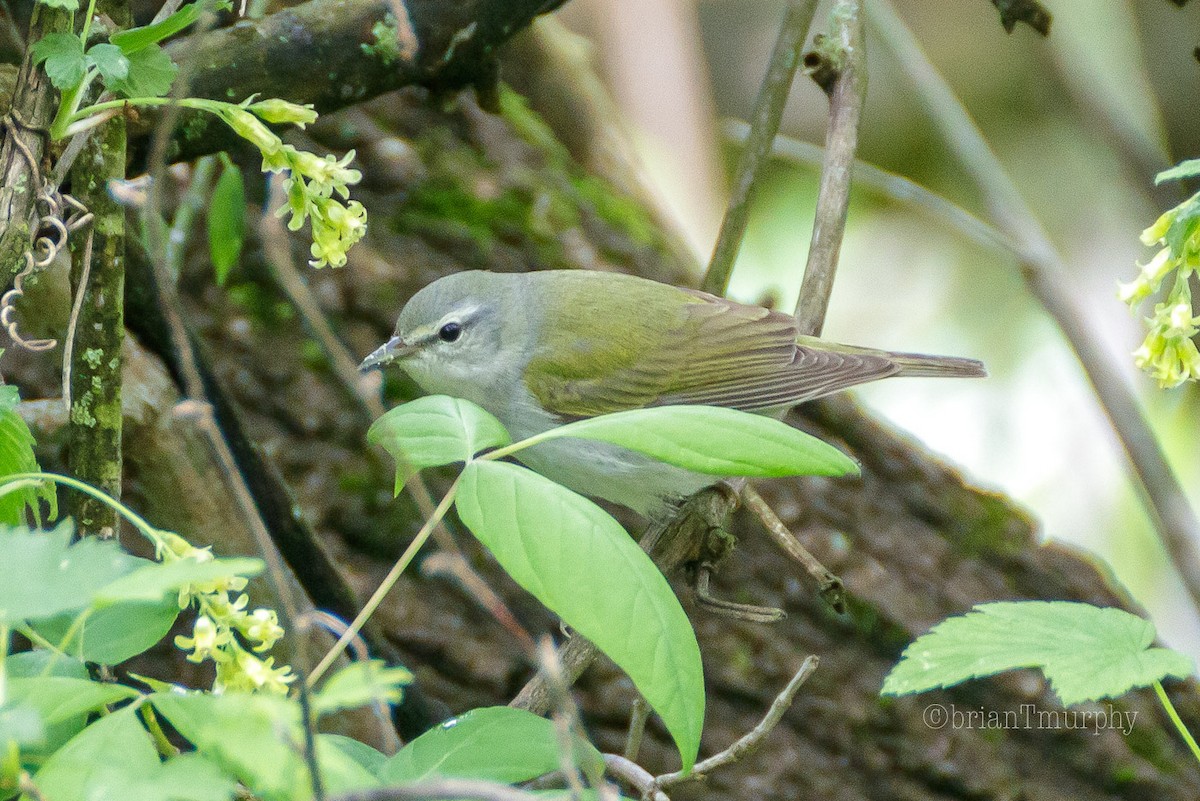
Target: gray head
{"x":460,"y":336}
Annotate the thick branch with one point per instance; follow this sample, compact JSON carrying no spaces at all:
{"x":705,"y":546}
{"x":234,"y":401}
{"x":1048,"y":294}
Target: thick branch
{"x":335,"y":53}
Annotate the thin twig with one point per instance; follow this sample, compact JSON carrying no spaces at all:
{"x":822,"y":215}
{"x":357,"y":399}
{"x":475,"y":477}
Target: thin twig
{"x":829,"y":586}
{"x":768,"y":110}
{"x":748,"y":743}
{"x":564,"y":716}
{"x":846,"y":98}
{"x":639,"y":713}
{"x":638,"y":777}
{"x":889,"y":184}
{"x":1046,"y":274}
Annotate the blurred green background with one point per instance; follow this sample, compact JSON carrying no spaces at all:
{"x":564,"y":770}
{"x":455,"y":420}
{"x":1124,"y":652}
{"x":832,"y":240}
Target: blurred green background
{"x":1082,"y":120}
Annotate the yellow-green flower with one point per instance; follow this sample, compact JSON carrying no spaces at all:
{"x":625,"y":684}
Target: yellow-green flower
{"x":206,"y":641}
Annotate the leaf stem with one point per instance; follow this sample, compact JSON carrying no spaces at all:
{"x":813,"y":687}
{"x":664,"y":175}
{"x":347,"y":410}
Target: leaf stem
{"x":87,"y":24}
{"x":148,"y":531}
{"x":1174,"y":716}
{"x":385,"y":586}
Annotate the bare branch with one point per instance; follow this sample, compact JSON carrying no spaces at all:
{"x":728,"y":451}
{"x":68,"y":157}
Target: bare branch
{"x":435,"y":789}
{"x":846,"y":96}
{"x":748,"y":743}
{"x":1045,"y":274}
{"x":768,"y":110}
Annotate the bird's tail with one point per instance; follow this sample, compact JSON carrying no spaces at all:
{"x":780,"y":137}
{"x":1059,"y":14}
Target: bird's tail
{"x":917,"y":365}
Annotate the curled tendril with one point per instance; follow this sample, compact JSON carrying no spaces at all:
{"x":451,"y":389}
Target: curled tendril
{"x":59,"y":216}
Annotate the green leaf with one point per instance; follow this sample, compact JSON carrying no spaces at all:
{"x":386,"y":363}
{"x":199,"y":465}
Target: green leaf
{"x":435,"y":430}
{"x":1183,"y":224}
{"x":60,"y":698}
{"x":359,"y":684}
{"x":42,"y":574}
{"x":63,"y":56}
{"x":20,"y":724}
{"x":257,"y":739}
{"x":155,"y":580}
{"x":1086,"y":652}
{"x":366,"y":756}
{"x":113,"y":633}
{"x":16,"y":456}
{"x":1182,"y":170}
{"x":715,"y":441}
{"x":497,"y":743}
{"x":113,"y":758}
{"x":226,"y":221}
{"x":151,"y":73}
{"x":40,"y":662}
{"x":110,"y":61}
{"x":579,"y":562}
{"x":135,"y":39}
{"x":99,"y":761}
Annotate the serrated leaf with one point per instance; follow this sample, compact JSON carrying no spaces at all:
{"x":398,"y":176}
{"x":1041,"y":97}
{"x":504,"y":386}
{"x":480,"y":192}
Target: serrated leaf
{"x":435,"y":430}
{"x":579,"y":562}
{"x":135,"y":39}
{"x":1086,"y":652}
{"x":62,"y":55}
{"x":257,"y":739}
{"x":359,"y":684}
{"x":498,"y":743}
{"x":1181,"y":171}
{"x":715,"y":441}
{"x":226,"y":221}
{"x":151,"y":73}
{"x":110,"y":61}
{"x":16,"y":456}
{"x":42,"y":574}
{"x":154,"y":580}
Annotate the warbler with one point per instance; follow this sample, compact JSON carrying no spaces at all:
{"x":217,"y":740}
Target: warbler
{"x":540,"y":349}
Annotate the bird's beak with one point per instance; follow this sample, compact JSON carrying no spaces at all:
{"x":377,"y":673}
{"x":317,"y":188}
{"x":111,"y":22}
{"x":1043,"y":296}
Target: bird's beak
{"x":386,"y":353}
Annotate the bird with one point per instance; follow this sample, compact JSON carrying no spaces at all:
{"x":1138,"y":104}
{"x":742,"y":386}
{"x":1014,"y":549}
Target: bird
{"x":540,"y":349}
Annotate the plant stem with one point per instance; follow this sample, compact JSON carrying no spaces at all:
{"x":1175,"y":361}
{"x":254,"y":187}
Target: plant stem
{"x":768,"y":111}
{"x":139,"y":522}
{"x":1174,"y":716}
{"x":385,"y":586}
{"x":1047,"y":279}
{"x":846,"y":98}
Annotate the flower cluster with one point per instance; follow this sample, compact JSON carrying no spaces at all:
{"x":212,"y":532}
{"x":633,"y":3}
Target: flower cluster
{"x":223,"y":624}
{"x":1169,"y":351}
{"x":313,"y":181}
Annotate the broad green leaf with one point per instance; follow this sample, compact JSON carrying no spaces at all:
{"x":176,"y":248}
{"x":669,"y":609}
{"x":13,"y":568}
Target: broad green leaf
{"x":63,"y":57}
{"x":135,"y":39}
{"x":257,"y":739}
{"x":226,"y":221}
{"x":579,"y":562}
{"x":1186,"y":218}
{"x":40,"y":662}
{"x":110,"y":61}
{"x":151,"y":73}
{"x":435,"y":430}
{"x":497,"y":743}
{"x":366,"y":756}
{"x":60,"y":698}
{"x":16,"y":456}
{"x":1182,"y":170}
{"x":113,"y":758}
{"x":715,"y":441}
{"x":21,"y":724}
{"x":100,"y":761}
{"x":1086,"y":652}
{"x":359,"y":684}
{"x":155,"y":580}
{"x":113,"y":633}
{"x":42,"y":574}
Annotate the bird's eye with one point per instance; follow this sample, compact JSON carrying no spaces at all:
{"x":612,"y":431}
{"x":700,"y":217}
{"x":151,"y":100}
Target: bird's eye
{"x":449,"y":332}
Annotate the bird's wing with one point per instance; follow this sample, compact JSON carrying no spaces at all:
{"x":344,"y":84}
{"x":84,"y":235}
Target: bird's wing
{"x":706,"y":350}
